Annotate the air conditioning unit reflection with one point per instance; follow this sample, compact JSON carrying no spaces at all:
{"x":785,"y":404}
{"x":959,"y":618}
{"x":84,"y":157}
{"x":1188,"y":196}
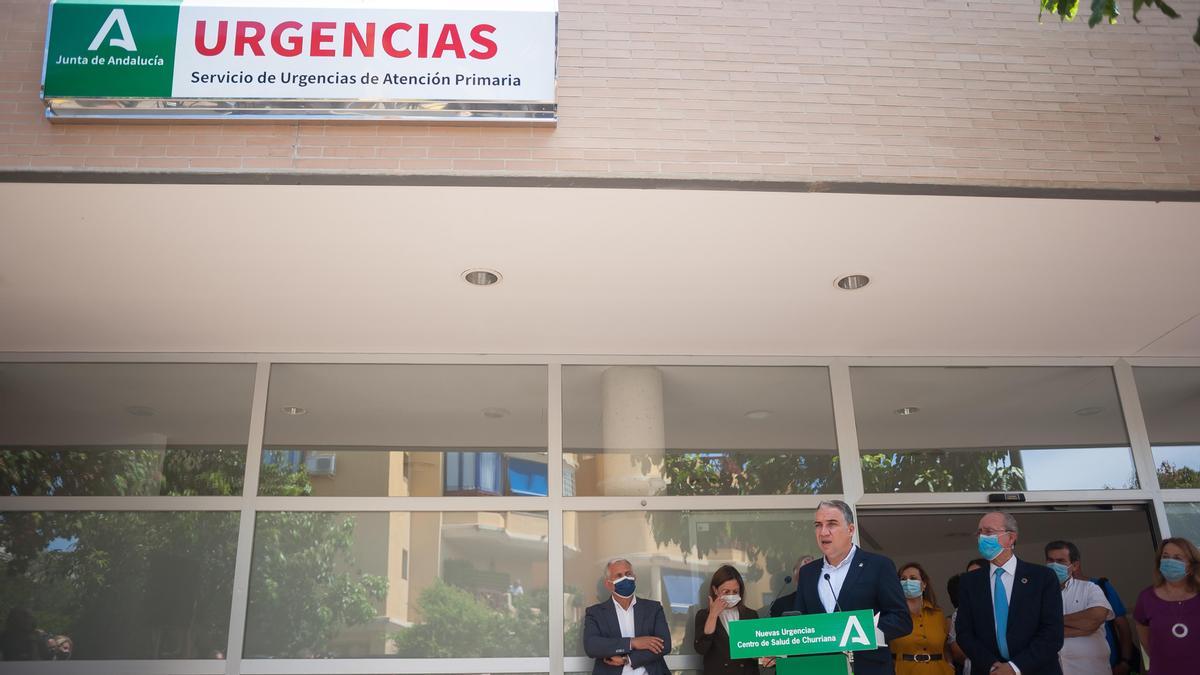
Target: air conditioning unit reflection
{"x":321,"y":465}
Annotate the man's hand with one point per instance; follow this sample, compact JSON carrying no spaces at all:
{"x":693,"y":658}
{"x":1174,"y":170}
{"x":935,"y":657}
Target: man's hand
{"x":615,"y":660}
{"x":1002,"y":668}
{"x":650,"y":643}
{"x":1121,"y":668}
{"x":766,"y":661}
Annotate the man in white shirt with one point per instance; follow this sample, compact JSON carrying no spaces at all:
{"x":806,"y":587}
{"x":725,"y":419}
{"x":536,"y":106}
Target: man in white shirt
{"x":626,"y":635}
{"x":1085,"y":609}
{"x":848,"y":578}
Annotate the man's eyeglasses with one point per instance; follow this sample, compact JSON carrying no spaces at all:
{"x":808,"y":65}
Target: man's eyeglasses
{"x":991,"y":533}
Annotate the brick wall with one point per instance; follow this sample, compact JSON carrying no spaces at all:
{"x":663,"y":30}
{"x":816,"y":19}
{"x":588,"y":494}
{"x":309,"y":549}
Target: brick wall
{"x":923,"y":91}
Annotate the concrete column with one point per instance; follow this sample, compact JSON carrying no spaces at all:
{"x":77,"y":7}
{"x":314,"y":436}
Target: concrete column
{"x":634,"y":429}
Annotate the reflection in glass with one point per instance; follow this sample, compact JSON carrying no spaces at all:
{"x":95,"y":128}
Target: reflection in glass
{"x":408,"y":430}
{"x":67,"y":472}
{"x":122,"y":585}
{"x":1184,"y":520}
{"x":474,"y":585}
{"x":948,"y":429}
{"x":123,"y":429}
{"x":674,"y":554}
{"x":1170,"y":400}
{"x":685,"y":430}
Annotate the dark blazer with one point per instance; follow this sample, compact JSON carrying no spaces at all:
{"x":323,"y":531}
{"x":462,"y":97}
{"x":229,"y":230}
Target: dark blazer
{"x":871,"y":583}
{"x":715,"y":647}
{"x":1035,"y":620}
{"x":783,"y":603}
{"x":602,"y":637}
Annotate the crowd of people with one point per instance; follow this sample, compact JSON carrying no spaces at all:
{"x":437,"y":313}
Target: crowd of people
{"x":1009,"y":616}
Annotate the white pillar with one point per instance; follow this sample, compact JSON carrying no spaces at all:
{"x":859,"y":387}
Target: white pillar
{"x":633,"y":429}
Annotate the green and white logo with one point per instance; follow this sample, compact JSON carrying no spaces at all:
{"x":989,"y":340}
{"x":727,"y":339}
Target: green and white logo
{"x":103,"y":49}
{"x":115,"y":19}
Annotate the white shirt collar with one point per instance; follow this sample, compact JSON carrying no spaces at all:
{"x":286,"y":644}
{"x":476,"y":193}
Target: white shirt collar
{"x":826,"y":567}
{"x":1010,"y":567}
{"x":632,"y":602}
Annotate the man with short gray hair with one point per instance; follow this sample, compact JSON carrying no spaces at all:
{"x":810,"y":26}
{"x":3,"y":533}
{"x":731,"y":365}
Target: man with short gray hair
{"x":626,"y":635}
{"x":848,"y":578}
{"x":1010,"y":613}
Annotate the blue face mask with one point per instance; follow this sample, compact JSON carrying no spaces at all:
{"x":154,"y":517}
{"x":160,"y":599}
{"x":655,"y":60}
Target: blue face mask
{"x":989,"y":546}
{"x":912,"y":587}
{"x":625,"y":587}
{"x":1172,"y":570}
{"x":1061,"y":570}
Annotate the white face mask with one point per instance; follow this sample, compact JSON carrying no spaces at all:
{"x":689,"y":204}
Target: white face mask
{"x":731,"y":600}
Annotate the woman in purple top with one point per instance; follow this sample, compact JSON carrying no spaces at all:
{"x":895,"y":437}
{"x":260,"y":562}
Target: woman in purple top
{"x":1168,"y":613}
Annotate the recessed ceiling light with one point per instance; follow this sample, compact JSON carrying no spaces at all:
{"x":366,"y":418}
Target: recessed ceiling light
{"x":495,"y":413}
{"x":852,"y":282}
{"x":481,"y":277}
{"x":907,"y":410}
{"x":141,"y":411}
{"x":758,"y":414}
{"x":1089,"y":411}
{"x":294,"y":410}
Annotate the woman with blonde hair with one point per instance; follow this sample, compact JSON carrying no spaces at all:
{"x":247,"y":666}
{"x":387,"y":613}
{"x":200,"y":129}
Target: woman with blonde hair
{"x":1167,"y":614}
{"x":924,"y":651}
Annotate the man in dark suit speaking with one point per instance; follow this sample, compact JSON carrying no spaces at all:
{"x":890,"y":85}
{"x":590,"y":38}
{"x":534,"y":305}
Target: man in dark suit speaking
{"x":626,"y":635}
{"x":1010,"y":613}
{"x":849,"y":578}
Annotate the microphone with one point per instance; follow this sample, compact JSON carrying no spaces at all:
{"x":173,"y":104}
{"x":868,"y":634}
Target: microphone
{"x":836,"y":606}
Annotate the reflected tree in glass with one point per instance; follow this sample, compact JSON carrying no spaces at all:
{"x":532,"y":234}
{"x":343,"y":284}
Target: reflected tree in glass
{"x":123,"y":584}
{"x":743,"y":473}
{"x":141,"y":585}
{"x":86,"y":472}
{"x":455,"y":624}
{"x":1172,"y":476}
{"x":748,"y":473}
{"x":306,"y":588}
{"x":943,"y":471}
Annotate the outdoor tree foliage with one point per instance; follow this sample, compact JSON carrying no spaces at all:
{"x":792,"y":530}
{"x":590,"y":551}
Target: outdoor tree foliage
{"x":159,"y":584}
{"x":1106,"y":10}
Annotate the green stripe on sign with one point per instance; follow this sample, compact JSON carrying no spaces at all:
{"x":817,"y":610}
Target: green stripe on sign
{"x":111,"y":50}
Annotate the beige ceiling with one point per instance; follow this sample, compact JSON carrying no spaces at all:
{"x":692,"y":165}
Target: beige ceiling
{"x":590,"y":271}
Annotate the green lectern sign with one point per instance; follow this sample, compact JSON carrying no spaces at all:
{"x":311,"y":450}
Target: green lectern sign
{"x":816,"y":640}
{"x":803,"y":635}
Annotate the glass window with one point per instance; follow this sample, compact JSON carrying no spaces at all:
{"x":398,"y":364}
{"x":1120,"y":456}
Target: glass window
{"x":674,"y":554}
{"x":1171,"y":404}
{"x":1184,"y":520}
{"x":475,"y":588}
{"x":686,"y":430}
{"x":83,"y":429}
{"x":948,"y":429}
{"x":119,"y":585}
{"x":401,"y":430}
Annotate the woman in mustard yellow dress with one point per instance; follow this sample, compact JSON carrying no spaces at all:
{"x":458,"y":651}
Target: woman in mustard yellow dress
{"x":924,"y":650}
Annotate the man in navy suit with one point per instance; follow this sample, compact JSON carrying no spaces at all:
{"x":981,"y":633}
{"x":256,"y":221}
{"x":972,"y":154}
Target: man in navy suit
{"x":626,"y":635}
{"x":848,"y":578}
{"x":1018,"y":601}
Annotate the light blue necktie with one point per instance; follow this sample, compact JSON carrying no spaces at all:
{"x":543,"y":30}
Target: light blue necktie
{"x":1000,"y":605}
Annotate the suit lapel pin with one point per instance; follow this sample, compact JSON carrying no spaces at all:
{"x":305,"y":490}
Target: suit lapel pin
{"x":1024,"y":580}
{"x":860,"y":564}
